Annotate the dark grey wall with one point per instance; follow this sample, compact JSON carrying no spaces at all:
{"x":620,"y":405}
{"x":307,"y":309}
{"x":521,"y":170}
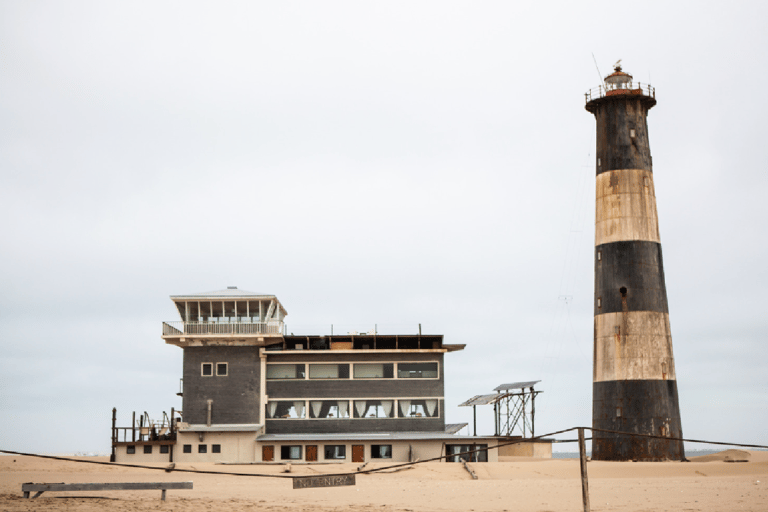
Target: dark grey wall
{"x":615,"y":116}
{"x":235,"y":397}
{"x":356,"y":388}
{"x":637,"y":266}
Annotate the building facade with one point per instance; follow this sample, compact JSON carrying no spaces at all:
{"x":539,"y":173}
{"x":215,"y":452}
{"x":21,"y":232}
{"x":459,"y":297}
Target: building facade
{"x":252,"y":393}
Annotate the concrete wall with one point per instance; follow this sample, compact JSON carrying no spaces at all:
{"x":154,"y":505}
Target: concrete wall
{"x":235,"y":447}
{"x":401,"y":450}
{"x":235,"y":396}
{"x":123,"y":457}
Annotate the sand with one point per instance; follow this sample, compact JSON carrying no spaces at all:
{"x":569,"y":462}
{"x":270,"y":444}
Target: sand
{"x":708,"y":483}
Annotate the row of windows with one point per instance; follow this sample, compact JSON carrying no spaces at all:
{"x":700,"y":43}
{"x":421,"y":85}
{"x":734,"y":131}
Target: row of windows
{"x":202,"y":448}
{"x":206,"y":369}
{"x":332,"y":452}
{"x":131,"y":449}
{"x":340,"y":409}
{"x":359,"y":371}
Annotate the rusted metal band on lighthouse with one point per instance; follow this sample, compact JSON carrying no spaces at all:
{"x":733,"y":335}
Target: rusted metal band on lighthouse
{"x":634,"y":386}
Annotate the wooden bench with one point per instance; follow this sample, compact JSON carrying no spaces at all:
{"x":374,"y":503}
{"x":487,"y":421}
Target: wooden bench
{"x":113,"y":486}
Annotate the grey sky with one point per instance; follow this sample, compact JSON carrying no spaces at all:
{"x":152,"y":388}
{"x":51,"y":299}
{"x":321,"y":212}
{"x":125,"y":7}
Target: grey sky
{"x":368,"y":163}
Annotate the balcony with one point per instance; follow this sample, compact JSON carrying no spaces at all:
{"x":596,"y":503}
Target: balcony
{"x":221,"y":328}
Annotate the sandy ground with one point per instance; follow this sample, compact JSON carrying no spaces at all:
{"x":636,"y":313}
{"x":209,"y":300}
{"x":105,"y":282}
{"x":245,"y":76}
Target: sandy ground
{"x":706,"y":483}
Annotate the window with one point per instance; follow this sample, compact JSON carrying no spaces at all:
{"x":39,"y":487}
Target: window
{"x":207,"y":370}
{"x":329,"y":409}
{"x":374,"y":371}
{"x":286,"y":371}
{"x":460,"y":452}
{"x":328,"y":371}
{"x":419,"y":408}
{"x":286,"y":409}
{"x":381,"y":451}
{"x":335,"y":451}
{"x":215,"y":448}
{"x":164,"y":448}
{"x":202,"y":448}
{"x":130,"y":450}
{"x":221,"y":369}
{"x":374,"y":409}
{"x":290,"y":452}
{"x":187,"y":448}
{"x":147,"y":448}
{"x":417,"y":370}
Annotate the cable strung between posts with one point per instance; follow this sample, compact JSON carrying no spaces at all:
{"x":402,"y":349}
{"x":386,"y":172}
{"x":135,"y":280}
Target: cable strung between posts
{"x":393,"y":466}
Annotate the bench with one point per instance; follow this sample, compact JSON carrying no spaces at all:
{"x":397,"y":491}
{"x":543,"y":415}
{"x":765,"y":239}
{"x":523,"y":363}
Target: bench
{"x":112,"y":486}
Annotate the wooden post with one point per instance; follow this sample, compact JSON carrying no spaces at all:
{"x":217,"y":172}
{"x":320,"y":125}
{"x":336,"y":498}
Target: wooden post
{"x":114,"y":434}
{"x":583,"y":461}
{"x":133,"y":427}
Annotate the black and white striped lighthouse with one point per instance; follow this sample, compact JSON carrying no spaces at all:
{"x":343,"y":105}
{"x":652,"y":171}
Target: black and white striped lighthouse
{"x":634,"y":387}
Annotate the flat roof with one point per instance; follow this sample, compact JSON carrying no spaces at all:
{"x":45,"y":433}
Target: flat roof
{"x":371,"y":436}
{"x":232,"y":427}
{"x":231,"y":292}
{"x":516,"y":385}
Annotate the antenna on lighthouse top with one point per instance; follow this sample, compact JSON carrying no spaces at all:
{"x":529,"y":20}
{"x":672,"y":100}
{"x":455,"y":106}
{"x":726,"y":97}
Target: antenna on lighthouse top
{"x":598,"y":69}
{"x":617,"y":66}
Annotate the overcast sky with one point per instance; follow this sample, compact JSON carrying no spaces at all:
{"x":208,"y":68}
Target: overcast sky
{"x":388,"y":163}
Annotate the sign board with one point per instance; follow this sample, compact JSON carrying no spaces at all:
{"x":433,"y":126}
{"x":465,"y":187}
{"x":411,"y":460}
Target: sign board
{"x":323,"y":481}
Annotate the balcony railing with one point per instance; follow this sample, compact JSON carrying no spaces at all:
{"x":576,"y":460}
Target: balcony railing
{"x":220,"y":328}
{"x":637,"y":88}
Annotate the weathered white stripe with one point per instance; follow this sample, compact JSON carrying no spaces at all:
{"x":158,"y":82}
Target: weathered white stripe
{"x":626,"y":207}
{"x":636,"y":345}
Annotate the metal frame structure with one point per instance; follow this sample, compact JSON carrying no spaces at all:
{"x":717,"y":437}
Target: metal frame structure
{"x":514,"y":407}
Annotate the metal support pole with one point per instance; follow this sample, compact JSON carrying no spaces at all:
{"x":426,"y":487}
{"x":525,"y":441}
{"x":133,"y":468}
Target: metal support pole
{"x":583,"y":462}
{"x":474,"y":413}
{"x":133,"y":428}
{"x":114,"y":433}
{"x":533,"y":412}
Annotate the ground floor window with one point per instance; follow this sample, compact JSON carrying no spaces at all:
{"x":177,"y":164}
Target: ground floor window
{"x":130,"y":450}
{"x":335,"y":451}
{"x":290,"y":452}
{"x":215,"y":448}
{"x":187,"y":448}
{"x":381,"y":451}
{"x":202,"y":448}
{"x":164,"y":448}
{"x":147,"y":448}
{"x":460,"y":453}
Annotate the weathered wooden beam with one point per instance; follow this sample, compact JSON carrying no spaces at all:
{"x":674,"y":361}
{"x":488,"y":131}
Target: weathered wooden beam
{"x":470,"y":470}
{"x":110,"y":486}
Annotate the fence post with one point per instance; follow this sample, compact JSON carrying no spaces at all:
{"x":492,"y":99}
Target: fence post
{"x":583,"y":461}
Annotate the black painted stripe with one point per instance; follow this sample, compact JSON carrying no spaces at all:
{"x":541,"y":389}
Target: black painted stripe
{"x":636,"y":266}
{"x":641,"y":407}
{"x":616,"y":149}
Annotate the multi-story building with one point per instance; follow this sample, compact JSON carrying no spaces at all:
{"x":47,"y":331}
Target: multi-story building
{"x":251,"y":392}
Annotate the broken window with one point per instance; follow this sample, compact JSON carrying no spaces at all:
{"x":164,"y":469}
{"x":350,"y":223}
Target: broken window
{"x":329,"y":409}
{"x":381,"y":451}
{"x":285,"y":409}
{"x":290,"y":452}
{"x":207,"y":369}
{"x":461,"y":452}
{"x":374,"y":409}
{"x":419,"y":408}
{"x":335,"y":451}
{"x":374,"y":371}
{"x":417,"y":370}
{"x":285,"y":371}
{"x":328,"y":371}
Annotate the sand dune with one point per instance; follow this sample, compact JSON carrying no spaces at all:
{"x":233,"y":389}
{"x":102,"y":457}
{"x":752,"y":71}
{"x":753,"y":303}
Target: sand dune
{"x":707,"y":483}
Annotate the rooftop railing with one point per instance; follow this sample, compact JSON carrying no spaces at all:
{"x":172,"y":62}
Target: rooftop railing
{"x":604,"y":90}
{"x":220,"y":328}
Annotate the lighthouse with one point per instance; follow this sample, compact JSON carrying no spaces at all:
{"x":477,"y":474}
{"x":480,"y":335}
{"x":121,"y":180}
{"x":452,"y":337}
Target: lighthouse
{"x":634,"y":387}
